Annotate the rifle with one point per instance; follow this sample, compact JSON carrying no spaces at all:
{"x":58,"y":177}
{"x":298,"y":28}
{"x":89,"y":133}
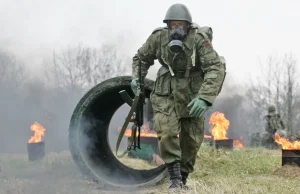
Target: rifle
{"x":135,"y":115}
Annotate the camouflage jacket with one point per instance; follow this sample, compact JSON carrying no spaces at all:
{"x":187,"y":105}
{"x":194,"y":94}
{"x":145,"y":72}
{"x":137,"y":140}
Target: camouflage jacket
{"x":298,"y":136}
{"x":274,"y":122}
{"x":197,"y":71}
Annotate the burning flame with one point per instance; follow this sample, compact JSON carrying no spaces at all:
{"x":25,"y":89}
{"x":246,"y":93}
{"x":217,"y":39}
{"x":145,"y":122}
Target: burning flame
{"x":149,"y":134}
{"x":221,"y":125}
{"x":39,"y":132}
{"x":145,"y":132}
{"x":238,"y":143}
{"x":286,"y":144}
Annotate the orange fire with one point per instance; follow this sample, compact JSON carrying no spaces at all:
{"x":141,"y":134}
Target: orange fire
{"x":145,"y":132}
{"x":39,"y":132}
{"x":286,"y":144}
{"x":221,"y":125}
{"x":238,"y":142}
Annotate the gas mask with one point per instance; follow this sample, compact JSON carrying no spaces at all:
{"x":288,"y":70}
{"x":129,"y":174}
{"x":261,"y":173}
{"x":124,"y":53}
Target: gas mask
{"x":176,"y":37}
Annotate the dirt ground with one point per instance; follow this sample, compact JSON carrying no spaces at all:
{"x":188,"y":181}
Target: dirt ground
{"x":55,"y":174}
{"x":251,"y":170}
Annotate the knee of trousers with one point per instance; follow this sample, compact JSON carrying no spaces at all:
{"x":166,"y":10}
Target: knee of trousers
{"x":170,"y":148}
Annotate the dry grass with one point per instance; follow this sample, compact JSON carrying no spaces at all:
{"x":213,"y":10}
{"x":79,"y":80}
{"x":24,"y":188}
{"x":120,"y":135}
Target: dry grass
{"x":136,"y":163}
{"x":217,"y":171}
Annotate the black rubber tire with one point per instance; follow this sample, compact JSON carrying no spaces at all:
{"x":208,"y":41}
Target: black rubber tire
{"x":88,"y":138}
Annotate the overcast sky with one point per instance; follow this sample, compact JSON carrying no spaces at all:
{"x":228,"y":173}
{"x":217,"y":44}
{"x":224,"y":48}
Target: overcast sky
{"x":244,"y":30}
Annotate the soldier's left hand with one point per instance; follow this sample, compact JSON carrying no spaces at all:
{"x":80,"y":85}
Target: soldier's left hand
{"x":199,"y":107}
{"x":133,"y":85}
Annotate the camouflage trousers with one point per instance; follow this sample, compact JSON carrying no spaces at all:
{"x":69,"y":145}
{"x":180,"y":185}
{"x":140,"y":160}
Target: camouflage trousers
{"x":183,"y":148}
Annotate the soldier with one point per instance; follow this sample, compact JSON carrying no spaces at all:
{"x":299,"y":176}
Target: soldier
{"x":298,"y":136}
{"x":187,"y":83}
{"x":274,"y":124}
{"x":291,"y":137}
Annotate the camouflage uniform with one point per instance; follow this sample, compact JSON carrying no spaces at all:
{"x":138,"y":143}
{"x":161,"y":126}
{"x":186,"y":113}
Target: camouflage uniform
{"x":292,"y":137}
{"x":298,"y":136}
{"x":198,"y":72}
{"x":274,"y":123}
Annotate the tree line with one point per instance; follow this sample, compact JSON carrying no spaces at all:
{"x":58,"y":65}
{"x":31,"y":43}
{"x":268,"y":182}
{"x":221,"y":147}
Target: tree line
{"x":68,"y":74}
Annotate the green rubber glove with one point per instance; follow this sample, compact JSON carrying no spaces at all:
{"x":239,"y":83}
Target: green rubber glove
{"x":133,"y":85}
{"x":198,"y":107}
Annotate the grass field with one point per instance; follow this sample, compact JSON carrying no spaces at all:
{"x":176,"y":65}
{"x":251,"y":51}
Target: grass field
{"x":249,"y":170}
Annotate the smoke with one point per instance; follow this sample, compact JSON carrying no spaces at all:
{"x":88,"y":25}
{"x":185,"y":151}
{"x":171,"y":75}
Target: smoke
{"x":25,"y":99}
{"x":20,"y":108}
{"x":232,"y":102}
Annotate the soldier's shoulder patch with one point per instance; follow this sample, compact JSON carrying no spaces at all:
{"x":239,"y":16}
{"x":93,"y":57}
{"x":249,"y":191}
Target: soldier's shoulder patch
{"x":157,"y":29}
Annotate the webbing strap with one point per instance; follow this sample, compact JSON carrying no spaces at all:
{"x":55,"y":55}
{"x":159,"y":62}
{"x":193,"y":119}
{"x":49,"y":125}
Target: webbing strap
{"x":124,"y":127}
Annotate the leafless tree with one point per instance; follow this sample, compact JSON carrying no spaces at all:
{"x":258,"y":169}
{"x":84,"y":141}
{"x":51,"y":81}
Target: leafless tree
{"x":82,"y":67}
{"x":277,"y":85}
{"x":259,"y":94}
{"x":12,"y":72}
{"x":291,"y":84}
{"x":277,"y":82}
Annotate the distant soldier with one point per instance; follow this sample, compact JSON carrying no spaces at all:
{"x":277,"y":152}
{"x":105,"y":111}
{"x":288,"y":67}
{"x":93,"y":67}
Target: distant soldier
{"x":274,"y":124}
{"x":297,"y":136}
{"x":292,"y":137}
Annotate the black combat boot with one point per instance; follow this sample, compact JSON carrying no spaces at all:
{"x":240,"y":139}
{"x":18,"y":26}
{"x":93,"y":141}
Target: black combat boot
{"x":175,"y":177}
{"x":184,"y":176}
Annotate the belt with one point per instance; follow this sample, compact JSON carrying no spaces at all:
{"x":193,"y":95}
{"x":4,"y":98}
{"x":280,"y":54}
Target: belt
{"x":181,"y":74}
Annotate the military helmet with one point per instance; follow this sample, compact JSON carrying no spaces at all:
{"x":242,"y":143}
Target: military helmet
{"x":178,"y":12}
{"x":271,"y":108}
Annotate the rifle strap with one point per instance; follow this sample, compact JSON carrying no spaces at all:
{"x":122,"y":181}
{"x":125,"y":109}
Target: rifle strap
{"x":132,"y":140}
{"x":139,"y":138}
{"x":124,"y":127}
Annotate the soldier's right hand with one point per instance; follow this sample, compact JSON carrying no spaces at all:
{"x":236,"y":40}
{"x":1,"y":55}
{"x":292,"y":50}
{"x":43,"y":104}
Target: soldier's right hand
{"x":134,"y":84}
